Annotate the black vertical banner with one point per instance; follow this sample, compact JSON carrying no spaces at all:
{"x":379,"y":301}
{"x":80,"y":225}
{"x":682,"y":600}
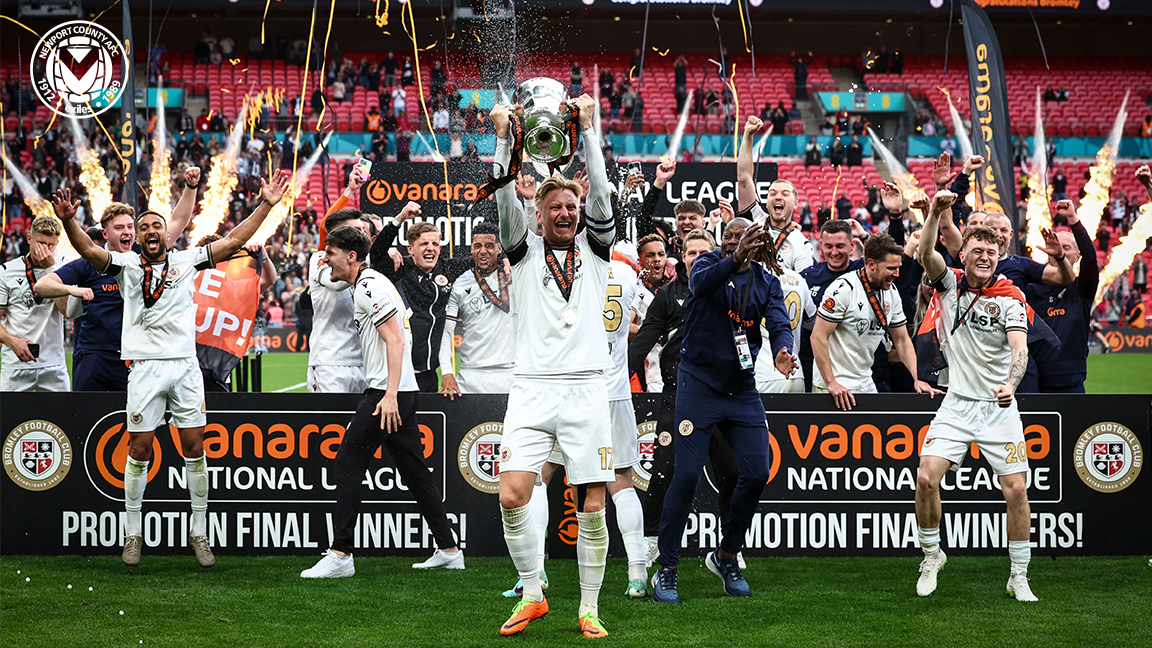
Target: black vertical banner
{"x":128,"y":112}
{"x":991,"y":131}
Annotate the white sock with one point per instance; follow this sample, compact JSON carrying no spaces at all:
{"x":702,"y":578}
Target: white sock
{"x":135,"y":479}
{"x":539,"y":506}
{"x":929,"y":540}
{"x":520,"y":534}
{"x":591,"y":554}
{"x":1020,"y":552}
{"x":630,"y":519}
{"x":197,"y":471}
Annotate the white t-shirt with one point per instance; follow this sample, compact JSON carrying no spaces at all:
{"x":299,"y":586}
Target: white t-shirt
{"x":29,"y":317}
{"x":487,"y":331}
{"x":622,"y":285}
{"x":546,"y":343}
{"x":799,"y":306}
{"x":978,"y":353}
{"x":852,"y":345}
{"x":796,"y":252}
{"x":652,"y":376}
{"x":376,"y":301}
{"x":398,"y":97}
{"x":167,"y":330}
{"x":334,"y":341}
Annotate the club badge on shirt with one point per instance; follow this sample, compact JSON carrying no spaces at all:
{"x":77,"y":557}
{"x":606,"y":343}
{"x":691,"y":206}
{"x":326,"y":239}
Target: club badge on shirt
{"x":686,"y":427}
{"x":441,"y":280}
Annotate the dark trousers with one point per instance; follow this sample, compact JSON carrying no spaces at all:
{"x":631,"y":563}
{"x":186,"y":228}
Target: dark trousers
{"x":98,"y":371}
{"x":739,"y":418}
{"x":428,"y":381}
{"x":1069,"y":389}
{"x":663,"y":467}
{"x":406,"y":447}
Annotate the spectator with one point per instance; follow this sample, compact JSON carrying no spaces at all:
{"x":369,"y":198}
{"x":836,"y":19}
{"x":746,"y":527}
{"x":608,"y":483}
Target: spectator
{"x":779,"y":118}
{"x":403,"y":146}
{"x":215,"y":58}
{"x":897,"y":64}
{"x":390,"y":65}
{"x":812,"y":153}
{"x":372,"y":120}
{"x":317,"y":102}
{"x":635,"y":65}
{"x":202,"y":51}
{"x":1140,"y":275}
{"x":440,"y":120}
{"x":637,"y":114}
{"x":576,"y":80}
{"x":402,"y":124}
{"x":836,"y":154}
{"x":883,"y":60}
{"x":800,"y":73}
{"x":1059,"y":185}
{"x":680,"y":72}
{"x":628,"y":98}
{"x":439,"y":78}
{"x":843,"y":207}
{"x":456,"y":147}
{"x":828,"y":128}
{"x":202,"y":125}
{"x":1049,"y":94}
{"x":947,"y":145}
{"x":407,"y":73}
{"x":186,"y":122}
{"x":275,"y":314}
{"x":607,"y":82}
{"x":339,"y":90}
{"x":711,"y":101}
{"x":794,"y":113}
{"x":227,"y":47}
{"x":1119,"y":208}
{"x":855,"y":153}
{"x":1061,"y":94}
{"x":1146,"y":127}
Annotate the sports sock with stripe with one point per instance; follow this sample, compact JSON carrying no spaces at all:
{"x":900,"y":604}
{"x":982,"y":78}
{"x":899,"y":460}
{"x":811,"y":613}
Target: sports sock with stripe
{"x":520,"y":534}
{"x":197,"y":470}
{"x":135,"y":479}
{"x":591,"y":554}
{"x":539,"y":506}
{"x":630,"y":520}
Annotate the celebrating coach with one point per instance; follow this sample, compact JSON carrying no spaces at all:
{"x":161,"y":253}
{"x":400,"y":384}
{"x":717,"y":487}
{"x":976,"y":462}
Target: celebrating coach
{"x":728,"y":297}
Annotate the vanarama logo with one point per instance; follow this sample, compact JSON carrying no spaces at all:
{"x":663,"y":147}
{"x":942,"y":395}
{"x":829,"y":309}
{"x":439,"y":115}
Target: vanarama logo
{"x":478,"y":457}
{"x":646,"y":438}
{"x":1108,"y":457}
{"x":380,"y":192}
{"x":1129,"y":340}
{"x":37,"y":455}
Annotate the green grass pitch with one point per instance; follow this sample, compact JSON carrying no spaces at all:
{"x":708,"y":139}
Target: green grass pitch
{"x":169,"y":601}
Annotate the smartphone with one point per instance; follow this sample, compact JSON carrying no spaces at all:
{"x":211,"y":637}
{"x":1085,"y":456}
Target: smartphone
{"x":34,"y":349}
{"x":366,"y":164}
{"x":634,"y":168}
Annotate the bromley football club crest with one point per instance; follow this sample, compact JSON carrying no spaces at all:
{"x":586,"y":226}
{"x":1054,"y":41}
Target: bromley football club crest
{"x":646,"y":438}
{"x":479,"y":457}
{"x":1108,"y":457}
{"x":37,"y":455}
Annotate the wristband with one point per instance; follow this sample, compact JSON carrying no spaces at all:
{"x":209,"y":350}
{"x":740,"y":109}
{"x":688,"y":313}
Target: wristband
{"x":1061,"y":258}
{"x":188,"y":185}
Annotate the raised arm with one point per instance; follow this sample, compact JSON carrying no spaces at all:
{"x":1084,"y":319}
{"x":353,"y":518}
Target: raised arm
{"x":745,"y":184}
{"x":1060,"y":274}
{"x":351,"y":193}
{"x":598,"y":203}
{"x":932,"y":260}
{"x":513,"y":223}
{"x":270,"y":194}
{"x":646,"y":215}
{"x":382,"y":247}
{"x":1144,"y":175}
{"x":1089,"y":265}
{"x":182,"y":212}
{"x":65,"y":210}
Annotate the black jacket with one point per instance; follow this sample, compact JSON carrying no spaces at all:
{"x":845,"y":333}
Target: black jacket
{"x":425,"y":292}
{"x":665,"y":320}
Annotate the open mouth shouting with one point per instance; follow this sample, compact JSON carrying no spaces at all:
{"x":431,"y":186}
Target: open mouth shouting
{"x":152,"y":244}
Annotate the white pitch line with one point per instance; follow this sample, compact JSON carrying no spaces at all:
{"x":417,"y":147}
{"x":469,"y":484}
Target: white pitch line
{"x":289,"y":388}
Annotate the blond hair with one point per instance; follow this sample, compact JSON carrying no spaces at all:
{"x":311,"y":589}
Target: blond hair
{"x":416,"y":230}
{"x":49,"y":225}
{"x":700,"y":235}
{"x":556,"y":182}
{"x":116,"y":209}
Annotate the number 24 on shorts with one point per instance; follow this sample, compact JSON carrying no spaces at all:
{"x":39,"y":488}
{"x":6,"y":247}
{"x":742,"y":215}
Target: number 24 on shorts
{"x":605,"y":458}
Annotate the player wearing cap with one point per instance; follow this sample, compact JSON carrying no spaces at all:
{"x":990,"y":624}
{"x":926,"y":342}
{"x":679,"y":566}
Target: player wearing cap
{"x":983,"y":322}
{"x":159,"y":337}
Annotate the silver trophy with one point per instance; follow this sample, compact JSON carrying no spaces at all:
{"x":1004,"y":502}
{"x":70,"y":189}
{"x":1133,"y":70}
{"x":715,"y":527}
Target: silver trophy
{"x":544,"y":140}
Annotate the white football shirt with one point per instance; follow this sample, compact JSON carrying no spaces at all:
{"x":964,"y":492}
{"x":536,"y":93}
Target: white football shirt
{"x":167,"y":330}
{"x":977,"y":352}
{"x":487,"y":333}
{"x":29,"y":317}
{"x":652,"y":376}
{"x":796,"y":252}
{"x":798,"y":304}
{"x":376,"y":300}
{"x":852,"y":345}
{"x":622,"y":285}
{"x":546,"y":343}
{"x":334,"y":340}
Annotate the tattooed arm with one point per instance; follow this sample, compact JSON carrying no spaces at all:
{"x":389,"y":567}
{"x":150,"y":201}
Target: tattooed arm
{"x":1018,"y":342}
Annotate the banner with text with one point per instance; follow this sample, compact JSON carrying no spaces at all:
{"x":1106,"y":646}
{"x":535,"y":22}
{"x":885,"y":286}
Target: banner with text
{"x":842,"y":483}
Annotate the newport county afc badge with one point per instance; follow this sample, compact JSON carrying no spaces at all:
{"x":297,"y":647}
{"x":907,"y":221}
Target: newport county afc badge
{"x":686,"y":427}
{"x":479,"y":457}
{"x":37,"y":455}
{"x":1108,"y":457}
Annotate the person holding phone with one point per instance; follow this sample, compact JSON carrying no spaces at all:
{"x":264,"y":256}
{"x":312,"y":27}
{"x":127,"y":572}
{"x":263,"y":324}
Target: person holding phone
{"x":31,"y":328}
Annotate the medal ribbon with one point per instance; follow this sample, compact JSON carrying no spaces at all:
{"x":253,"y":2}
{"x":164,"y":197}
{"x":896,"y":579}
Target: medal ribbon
{"x":874,"y":301}
{"x":501,"y":301}
{"x":961,"y":288}
{"x":31,"y":280}
{"x":565,"y":277}
{"x":152,"y":296}
{"x":572,"y":129}
{"x":516,"y":129}
{"x":783,"y":237}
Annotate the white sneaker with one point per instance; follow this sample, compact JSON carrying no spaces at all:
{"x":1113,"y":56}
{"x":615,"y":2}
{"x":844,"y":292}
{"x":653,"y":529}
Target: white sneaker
{"x":929,"y":569}
{"x":441,"y":560}
{"x":651,"y":550}
{"x":1019,"y":589}
{"x":740,"y":560}
{"x":331,"y":566}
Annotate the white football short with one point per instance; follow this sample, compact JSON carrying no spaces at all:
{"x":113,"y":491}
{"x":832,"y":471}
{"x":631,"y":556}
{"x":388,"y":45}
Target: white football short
{"x":625,"y":443}
{"x":785,"y":386}
{"x":570,"y":412}
{"x":997,"y":431}
{"x":336,"y":379}
{"x":484,"y":381}
{"x":868,"y":388}
{"x":154,"y":385}
{"x":44,"y":379}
